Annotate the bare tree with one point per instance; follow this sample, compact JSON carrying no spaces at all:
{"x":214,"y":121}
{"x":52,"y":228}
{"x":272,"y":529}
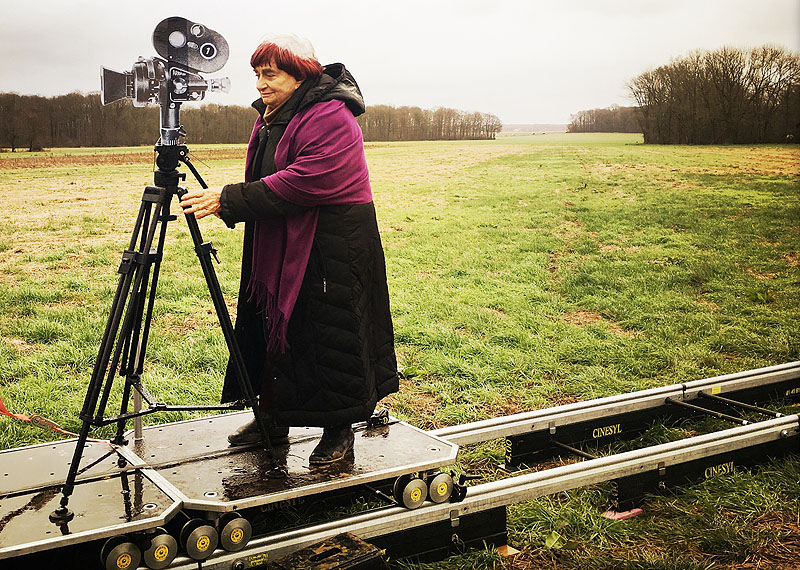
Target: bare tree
{"x":10,"y":125}
{"x":613,"y":119}
{"x":722,"y":96}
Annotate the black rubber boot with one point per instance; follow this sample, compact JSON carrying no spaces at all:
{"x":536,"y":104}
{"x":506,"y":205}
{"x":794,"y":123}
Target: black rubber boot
{"x":248,"y":434}
{"x":334,"y":444}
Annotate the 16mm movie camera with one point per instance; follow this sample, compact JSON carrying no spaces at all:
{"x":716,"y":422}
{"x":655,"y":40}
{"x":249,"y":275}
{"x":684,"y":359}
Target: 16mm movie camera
{"x":186,"y":49}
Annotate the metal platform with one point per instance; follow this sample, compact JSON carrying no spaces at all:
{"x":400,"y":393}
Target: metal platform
{"x":187,"y":465}
{"x":195,"y":459}
{"x":109,"y":499}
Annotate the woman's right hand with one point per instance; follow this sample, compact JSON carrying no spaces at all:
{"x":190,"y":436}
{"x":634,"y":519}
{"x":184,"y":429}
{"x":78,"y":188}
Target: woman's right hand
{"x":201,"y":202}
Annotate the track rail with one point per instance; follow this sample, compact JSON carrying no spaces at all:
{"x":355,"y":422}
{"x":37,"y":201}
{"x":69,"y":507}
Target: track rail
{"x":662,"y":461}
{"x":551,"y":419}
{"x":511,"y":490}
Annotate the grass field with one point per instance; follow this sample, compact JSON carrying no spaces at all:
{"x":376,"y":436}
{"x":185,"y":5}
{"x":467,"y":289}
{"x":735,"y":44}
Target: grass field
{"x":524,"y":272}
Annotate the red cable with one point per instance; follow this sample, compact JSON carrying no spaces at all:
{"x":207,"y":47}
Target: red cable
{"x":5,"y":412}
{"x":44,"y":423}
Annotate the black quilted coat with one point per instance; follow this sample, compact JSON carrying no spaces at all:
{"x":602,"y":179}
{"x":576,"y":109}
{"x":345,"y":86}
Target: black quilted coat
{"x":340,"y":359}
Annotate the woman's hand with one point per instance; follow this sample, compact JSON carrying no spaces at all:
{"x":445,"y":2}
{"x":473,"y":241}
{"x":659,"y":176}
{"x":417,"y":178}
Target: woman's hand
{"x":201,"y":202}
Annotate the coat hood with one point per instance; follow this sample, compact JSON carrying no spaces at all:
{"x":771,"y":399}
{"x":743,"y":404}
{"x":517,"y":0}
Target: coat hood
{"x":335,"y":83}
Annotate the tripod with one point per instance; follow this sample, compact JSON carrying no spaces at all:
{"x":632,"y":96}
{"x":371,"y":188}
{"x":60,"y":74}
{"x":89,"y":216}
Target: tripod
{"x":126,"y":334}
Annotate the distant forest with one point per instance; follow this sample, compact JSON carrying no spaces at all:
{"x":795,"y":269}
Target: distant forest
{"x":613,"y":119}
{"x":384,"y":123}
{"x":33,"y":122}
{"x":727,"y":96}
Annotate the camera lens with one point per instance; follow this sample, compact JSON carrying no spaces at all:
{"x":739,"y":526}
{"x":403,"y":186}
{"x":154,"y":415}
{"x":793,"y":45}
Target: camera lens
{"x":198,"y":30}
{"x":177,"y":39}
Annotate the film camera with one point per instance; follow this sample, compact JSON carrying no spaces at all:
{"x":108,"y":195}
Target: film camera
{"x":186,"y":49}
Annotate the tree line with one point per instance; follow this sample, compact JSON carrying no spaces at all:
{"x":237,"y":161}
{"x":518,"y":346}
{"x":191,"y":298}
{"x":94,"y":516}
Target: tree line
{"x":614,"y":119}
{"x":385,"y":123}
{"x":726,"y":96}
{"x":34,"y":122}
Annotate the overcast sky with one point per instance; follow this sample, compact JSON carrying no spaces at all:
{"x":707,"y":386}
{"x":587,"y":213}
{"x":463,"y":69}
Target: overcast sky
{"x":526,"y":61}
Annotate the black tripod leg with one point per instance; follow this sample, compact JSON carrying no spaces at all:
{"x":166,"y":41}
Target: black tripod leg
{"x":204,"y":253}
{"x":143,"y":301}
{"x":131,"y":351}
{"x":128,"y":342}
{"x":90,"y":404}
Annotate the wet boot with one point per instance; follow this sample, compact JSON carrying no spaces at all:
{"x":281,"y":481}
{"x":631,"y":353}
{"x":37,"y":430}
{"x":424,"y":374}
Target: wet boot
{"x":334,"y":444}
{"x":248,"y":434}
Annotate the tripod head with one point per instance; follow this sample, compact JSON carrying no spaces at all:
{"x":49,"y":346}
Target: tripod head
{"x":186,"y":49}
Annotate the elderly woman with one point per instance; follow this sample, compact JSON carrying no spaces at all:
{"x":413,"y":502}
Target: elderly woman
{"x":313,"y":317}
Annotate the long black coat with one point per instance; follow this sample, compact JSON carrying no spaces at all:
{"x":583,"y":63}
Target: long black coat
{"x":341,"y":358}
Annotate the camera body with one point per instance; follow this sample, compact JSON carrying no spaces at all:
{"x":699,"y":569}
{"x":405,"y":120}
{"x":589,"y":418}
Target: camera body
{"x":186,"y":49}
{"x":190,"y":45}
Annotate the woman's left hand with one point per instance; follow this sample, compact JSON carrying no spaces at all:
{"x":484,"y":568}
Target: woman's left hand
{"x":201,"y":202}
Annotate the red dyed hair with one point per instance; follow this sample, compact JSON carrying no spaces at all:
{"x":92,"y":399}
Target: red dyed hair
{"x":301,"y":68}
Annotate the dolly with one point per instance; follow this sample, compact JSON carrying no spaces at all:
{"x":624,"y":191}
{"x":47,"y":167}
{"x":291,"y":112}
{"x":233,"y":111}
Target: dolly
{"x":180,"y":497}
{"x":186,"y":475}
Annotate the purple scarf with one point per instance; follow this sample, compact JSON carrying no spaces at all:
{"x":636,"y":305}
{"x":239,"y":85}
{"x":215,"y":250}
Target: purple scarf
{"x":320,"y":161}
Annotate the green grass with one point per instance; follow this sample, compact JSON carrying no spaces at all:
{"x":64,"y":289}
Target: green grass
{"x":524,"y":273}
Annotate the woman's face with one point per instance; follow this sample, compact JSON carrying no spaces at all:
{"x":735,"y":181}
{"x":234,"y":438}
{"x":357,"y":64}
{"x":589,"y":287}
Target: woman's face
{"x":274,"y":85}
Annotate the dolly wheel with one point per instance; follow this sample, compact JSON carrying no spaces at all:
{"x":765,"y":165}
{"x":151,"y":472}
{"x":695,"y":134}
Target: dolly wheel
{"x":199,"y":539}
{"x":440,"y":488}
{"x":235,"y":532}
{"x":159,"y":549}
{"x":397,"y":489}
{"x":412,"y":492}
{"x":119,"y":553}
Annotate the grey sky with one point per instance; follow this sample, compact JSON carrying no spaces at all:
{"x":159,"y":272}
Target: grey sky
{"x":525,"y":61}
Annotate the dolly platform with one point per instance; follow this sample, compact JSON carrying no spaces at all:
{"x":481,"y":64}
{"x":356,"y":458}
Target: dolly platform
{"x":188,"y":468}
